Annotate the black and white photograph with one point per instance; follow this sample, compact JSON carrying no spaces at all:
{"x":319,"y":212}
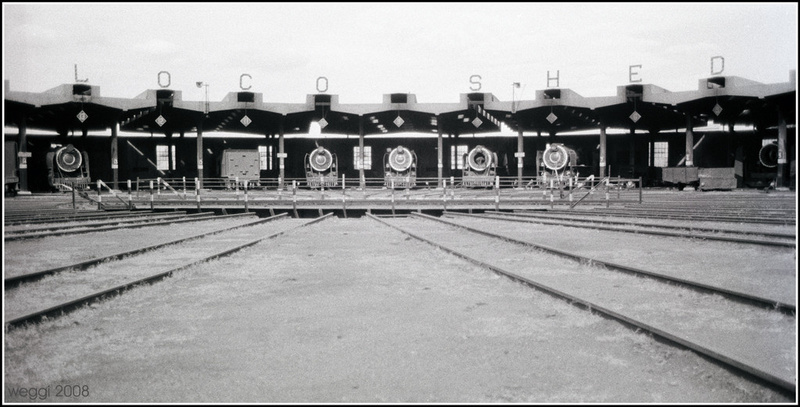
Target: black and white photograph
{"x":351,"y":203}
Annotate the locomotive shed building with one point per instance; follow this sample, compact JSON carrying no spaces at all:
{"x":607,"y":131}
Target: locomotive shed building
{"x":724,"y":123}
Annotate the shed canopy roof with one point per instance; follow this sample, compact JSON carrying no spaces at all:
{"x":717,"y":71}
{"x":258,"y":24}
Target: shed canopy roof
{"x":724,"y":99}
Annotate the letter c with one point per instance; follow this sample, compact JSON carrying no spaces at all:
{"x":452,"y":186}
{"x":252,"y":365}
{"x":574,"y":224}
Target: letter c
{"x":240,"y":81}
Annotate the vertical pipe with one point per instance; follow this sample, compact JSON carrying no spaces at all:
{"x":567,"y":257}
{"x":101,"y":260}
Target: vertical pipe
{"x":362,"y":181}
{"x":22,"y":141}
{"x":115,"y":155}
{"x":779,"y":181}
{"x":151,"y":195}
{"x":130,"y":198}
{"x":520,"y":156}
{"x":439,"y":151}
{"x":602,"y":152}
{"x":689,"y":142}
{"x":199,"y":179}
{"x":281,"y":155}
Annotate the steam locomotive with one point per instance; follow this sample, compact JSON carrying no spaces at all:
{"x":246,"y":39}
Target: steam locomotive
{"x":321,"y":168}
{"x":68,"y":167}
{"x":479,"y":167}
{"x":557,"y":165}
{"x":400,"y":168}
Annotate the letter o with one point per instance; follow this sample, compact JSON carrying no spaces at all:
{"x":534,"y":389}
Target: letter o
{"x":169,"y":79}
{"x":326,"y":85}
{"x":240,"y":81}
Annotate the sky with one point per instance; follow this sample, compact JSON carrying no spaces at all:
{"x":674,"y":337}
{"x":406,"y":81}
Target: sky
{"x":365,"y":50}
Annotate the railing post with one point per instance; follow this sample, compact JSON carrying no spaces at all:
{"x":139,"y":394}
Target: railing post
{"x":197,"y":192}
{"x":99,"y":197}
{"x":640,"y":189}
{"x":184,"y":188}
{"x":570,"y":191}
{"x":497,"y":194}
{"x":158,"y":185}
{"x":294,"y":198}
{"x":444,"y":193}
{"x":73,"y":197}
{"x":151,"y":195}
{"x":344,"y":194}
{"x":245,"y":197}
{"x":392,"y":186}
{"x":130,"y":198}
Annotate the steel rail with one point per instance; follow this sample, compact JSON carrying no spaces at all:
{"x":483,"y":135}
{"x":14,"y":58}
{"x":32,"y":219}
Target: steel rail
{"x":188,"y":218}
{"x":66,"y":307}
{"x":103,"y":222}
{"x":643,"y":224}
{"x":627,"y":321}
{"x":12,"y":282}
{"x":652,"y":214}
{"x":636,"y":231}
{"x":788,"y":309}
{"x":98,"y":215}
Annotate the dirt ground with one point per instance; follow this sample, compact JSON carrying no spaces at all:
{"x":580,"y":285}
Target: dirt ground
{"x":350,"y":311}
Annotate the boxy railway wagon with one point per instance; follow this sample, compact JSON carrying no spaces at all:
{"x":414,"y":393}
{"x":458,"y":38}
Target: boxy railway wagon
{"x":242,"y":166}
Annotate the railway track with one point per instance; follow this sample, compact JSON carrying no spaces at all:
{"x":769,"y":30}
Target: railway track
{"x":57,"y":230}
{"x":68,"y":291}
{"x":756,"y":340}
{"x":721,"y":234}
{"x":15,"y":280}
{"x":708,"y":215}
{"x":49,"y":216}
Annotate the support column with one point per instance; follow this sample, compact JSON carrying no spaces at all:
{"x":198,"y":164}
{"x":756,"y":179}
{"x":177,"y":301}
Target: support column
{"x":199,"y":156}
{"x":170,"y":161}
{"x":439,"y":152}
{"x":652,"y":159}
{"x":632,"y":149}
{"x":689,"y":142}
{"x":520,"y":157}
{"x":361,"y":181}
{"x":603,"y":152}
{"x":114,"y":155}
{"x":22,"y":141}
{"x":779,"y":181}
